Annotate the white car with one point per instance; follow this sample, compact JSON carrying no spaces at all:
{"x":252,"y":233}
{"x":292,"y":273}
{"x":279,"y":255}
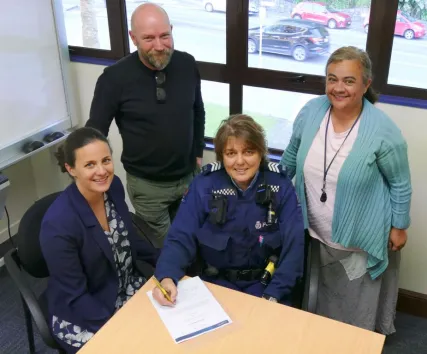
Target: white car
{"x":221,"y":6}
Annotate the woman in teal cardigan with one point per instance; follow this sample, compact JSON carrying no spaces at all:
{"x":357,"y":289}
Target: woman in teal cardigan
{"x":352,"y":178}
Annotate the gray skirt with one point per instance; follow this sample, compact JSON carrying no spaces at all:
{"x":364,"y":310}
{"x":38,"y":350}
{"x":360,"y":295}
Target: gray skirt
{"x":361,"y":302}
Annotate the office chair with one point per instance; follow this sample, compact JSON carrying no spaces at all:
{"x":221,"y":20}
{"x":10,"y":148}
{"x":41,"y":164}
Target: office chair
{"x":311,"y":274}
{"x":146,"y":233}
{"x":195,"y":269}
{"x":28,"y":259}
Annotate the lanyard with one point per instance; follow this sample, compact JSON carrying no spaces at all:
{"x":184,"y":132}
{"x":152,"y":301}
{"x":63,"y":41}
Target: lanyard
{"x":324,"y":196}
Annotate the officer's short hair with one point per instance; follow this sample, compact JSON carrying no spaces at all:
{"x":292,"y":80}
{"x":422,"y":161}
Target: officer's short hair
{"x":241,"y":126}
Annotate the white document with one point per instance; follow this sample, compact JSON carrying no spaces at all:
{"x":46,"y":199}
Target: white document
{"x":196,"y":311}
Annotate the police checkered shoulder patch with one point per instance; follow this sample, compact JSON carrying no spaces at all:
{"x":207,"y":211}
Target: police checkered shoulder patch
{"x":276,"y":167}
{"x":211,"y":167}
{"x":224,"y":191}
{"x":274,"y":189}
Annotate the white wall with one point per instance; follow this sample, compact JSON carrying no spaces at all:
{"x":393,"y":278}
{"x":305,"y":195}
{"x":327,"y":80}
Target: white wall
{"x":413,"y":123}
{"x":31,"y":179}
{"x":21,"y":195}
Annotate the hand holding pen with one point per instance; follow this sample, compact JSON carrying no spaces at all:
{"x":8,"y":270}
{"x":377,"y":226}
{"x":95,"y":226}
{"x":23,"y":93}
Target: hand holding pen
{"x":165,"y":292}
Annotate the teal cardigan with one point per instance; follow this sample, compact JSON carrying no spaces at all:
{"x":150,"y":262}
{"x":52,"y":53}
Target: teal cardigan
{"x":374,"y":185}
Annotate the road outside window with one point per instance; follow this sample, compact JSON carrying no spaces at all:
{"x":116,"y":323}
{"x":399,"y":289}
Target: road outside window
{"x":299,"y":37}
{"x":86,"y":23}
{"x":408,"y":66}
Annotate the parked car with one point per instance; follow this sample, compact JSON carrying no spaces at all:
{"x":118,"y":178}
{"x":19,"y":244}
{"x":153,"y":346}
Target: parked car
{"x":299,"y":38}
{"x":321,"y":13}
{"x":221,"y":6}
{"x":406,"y":26}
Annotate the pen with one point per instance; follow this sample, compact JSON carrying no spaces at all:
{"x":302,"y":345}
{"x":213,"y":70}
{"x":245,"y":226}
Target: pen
{"x":162,"y":289}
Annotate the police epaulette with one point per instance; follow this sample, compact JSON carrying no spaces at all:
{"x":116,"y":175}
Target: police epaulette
{"x":276,"y":167}
{"x":211,"y":167}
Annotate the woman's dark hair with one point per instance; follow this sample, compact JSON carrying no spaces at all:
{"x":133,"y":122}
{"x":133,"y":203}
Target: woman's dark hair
{"x":353,"y":53}
{"x":66,"y":153}
{"x":241,"y":126}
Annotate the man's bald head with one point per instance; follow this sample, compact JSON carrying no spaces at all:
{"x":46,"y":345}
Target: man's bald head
{"x":148,"y":13}
{"x":151,"y":33}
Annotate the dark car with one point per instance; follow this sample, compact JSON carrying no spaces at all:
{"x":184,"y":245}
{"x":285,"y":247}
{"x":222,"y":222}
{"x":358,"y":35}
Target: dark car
{"x":299,"y":38}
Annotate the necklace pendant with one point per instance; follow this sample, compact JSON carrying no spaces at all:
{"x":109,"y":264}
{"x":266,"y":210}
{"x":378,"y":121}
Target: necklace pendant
{"x":323,"y":197}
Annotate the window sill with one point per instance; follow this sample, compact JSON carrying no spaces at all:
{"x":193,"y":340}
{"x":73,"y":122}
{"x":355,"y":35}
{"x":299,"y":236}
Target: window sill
{"x":91,"y":60}
{"x":399,"y":101}
{"x":403,"y":101}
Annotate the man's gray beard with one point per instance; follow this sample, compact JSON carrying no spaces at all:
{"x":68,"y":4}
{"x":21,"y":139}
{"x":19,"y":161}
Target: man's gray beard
{"x":159,"y":64}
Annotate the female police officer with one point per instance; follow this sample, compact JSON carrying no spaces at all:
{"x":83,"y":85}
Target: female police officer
{"x":242,"y":214}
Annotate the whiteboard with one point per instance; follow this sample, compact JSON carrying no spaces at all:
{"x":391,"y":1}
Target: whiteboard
{"x":34,"y":89}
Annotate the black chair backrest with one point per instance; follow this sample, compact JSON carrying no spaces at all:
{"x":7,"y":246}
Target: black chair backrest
{"x":145,"y":231}
{"x":29,"y":251}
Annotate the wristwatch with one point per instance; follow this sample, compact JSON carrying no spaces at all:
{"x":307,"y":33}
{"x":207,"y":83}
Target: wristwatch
{"x":270,"y":298}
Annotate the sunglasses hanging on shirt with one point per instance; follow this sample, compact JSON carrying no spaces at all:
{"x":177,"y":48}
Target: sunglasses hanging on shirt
{"x":160,"y":87}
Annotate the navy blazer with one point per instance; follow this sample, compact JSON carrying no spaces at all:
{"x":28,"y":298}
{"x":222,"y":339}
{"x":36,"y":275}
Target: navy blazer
{"x":83,"y":283}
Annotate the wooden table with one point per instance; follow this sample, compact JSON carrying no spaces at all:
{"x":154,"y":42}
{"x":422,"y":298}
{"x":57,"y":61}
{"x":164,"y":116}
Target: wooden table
{"x":259,"y":326}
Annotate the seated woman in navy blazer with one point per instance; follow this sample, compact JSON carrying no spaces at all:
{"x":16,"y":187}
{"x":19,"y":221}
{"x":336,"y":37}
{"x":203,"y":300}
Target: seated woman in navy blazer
{"x":89,"y":243}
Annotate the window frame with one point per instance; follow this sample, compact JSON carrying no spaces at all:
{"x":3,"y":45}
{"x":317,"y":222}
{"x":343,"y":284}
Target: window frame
{"x":117,"y":26}
{"x":383,"y":34}
{"x":237,"y":73}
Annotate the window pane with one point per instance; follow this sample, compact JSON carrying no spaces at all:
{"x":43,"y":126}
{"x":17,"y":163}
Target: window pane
{"x":275,"y":110}
{"x":319,"y":30}
{"x":216,"y":98}
{"x":198,"y":27}
{"x":408,"y":66}
{"x":86,"y":23}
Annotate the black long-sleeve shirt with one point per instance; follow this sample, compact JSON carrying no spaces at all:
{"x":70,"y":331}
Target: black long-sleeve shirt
{"x":160,"y":140}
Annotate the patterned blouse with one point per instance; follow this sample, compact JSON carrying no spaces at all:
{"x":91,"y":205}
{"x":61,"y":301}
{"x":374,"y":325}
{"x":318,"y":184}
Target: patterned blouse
{"x":129,"y":282}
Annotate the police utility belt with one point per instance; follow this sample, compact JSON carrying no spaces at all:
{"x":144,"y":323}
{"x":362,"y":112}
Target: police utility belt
{"x":218,"y":215}
{"x":234,"y":275}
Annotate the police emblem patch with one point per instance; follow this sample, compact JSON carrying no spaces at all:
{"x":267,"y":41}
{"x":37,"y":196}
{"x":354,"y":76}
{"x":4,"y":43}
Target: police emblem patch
{"x":224,"y":191}
{"x":275,"y":189}
{"x":258,"y":225}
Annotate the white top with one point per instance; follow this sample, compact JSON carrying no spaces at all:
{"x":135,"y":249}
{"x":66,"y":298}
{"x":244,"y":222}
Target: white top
{"x":320,"y":214}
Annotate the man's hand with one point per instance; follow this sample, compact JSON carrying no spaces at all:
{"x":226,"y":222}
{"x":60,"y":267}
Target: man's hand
{"x":170,"y":287}
{"x":397,"y":240}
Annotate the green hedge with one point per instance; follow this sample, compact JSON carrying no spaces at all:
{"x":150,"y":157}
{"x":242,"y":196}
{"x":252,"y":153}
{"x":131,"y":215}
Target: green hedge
{"x":215,"y":113}
{"x":415,"y":8}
